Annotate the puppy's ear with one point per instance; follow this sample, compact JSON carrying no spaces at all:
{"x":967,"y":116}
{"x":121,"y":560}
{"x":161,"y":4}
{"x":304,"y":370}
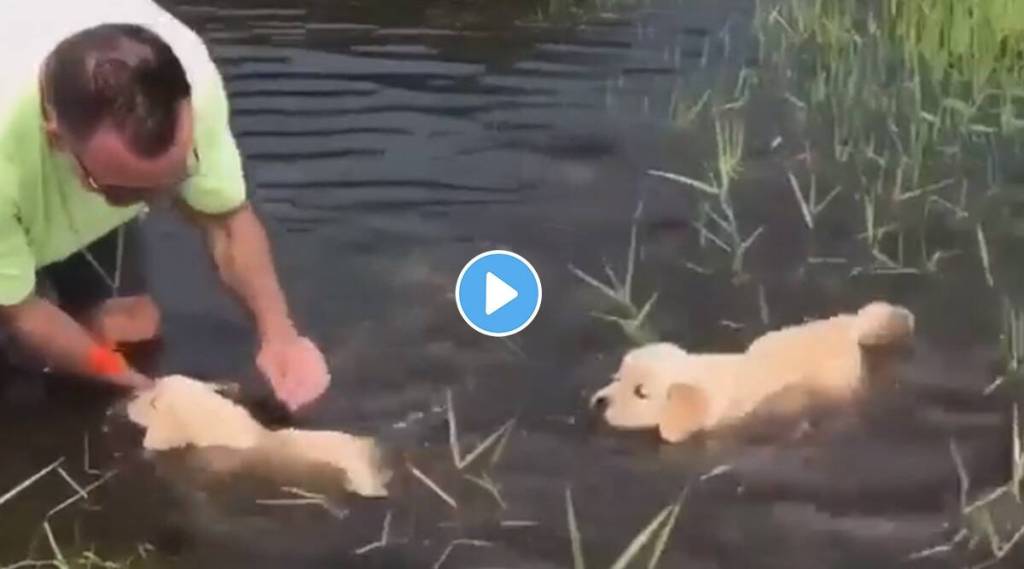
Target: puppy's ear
{"x":685,"y":412}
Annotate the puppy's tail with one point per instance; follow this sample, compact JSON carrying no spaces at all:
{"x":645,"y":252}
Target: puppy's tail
{"x":880,"y":323}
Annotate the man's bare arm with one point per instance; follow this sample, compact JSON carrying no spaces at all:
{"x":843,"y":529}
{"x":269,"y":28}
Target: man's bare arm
{"x":241,"y":251}
{"x":46,"y":330}
{"x":242,"y":255}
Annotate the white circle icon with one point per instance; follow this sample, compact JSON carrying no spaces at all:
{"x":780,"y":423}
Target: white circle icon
{"x":498,"y":293}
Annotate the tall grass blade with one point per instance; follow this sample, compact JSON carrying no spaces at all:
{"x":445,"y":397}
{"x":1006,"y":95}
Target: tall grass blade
{"x":821,"y":207}
{"x":646,"y":310}
{"x":71,"y":481}
{"x":641,"y":539}
{"x":385,"y":537}
{"x":58,"y":555}
{"x":594,"y":283}
{"x":804,"y":208}
{"x":574,"y":532}
{"x":1018,"y":456}
{"x":82,"y":494}
{"x":631,"y":254}
{"x":702,"y":186}
{"x":707,"y":234}
{"x":499,"y":451}
{"x":616,"y":285}
{"x":453,"y":431}
{"x":750,"y":240}
{"x":983,"y":249}
{"x":490,"y":486}
{"x":666,"y":532}
{"x":961,"y":472}
{"x":433,"y":486}
{"x":487,"y":443}
{"x":451,"y":546}
{"x":30,"y":481}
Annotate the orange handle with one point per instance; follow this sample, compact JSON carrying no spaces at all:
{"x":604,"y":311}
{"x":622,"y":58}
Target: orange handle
{"x":104,"y":361}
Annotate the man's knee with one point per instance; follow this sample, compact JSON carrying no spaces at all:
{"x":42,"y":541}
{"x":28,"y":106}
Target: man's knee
{"x":145,"y":310}
{"x":127,"y":320}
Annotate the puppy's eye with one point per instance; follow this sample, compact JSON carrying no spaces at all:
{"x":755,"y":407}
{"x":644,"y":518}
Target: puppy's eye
{"x":640,"y":392}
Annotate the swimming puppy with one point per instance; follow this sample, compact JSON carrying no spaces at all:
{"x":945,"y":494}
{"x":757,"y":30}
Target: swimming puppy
{"x":180,"y":412}
{"x":661,"y":386}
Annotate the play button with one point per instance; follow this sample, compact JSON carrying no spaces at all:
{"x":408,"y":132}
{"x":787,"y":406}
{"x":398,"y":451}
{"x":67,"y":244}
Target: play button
{"x":498,"y":293}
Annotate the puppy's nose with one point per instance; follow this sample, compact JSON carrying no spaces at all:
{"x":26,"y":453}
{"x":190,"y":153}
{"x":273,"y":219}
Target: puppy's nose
{"x":599,"y":403}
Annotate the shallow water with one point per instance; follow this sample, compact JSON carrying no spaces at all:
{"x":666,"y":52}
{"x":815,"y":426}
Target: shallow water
{"x":386,"y":146}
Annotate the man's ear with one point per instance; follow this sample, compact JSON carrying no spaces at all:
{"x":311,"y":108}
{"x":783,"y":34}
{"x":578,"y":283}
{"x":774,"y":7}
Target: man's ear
{"x":50,"y":127}
{"x":52,"y":132}
{"x":685,"y":412}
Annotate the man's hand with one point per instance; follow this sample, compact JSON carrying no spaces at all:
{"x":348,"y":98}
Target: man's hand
{"x":132,"y":380}
{"x":125,"y":320}
{"x":62,"y":342}
{"x":241,"y":251}
{"x":295,"y":368}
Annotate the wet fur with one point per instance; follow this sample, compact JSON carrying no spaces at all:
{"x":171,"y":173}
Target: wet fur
{"x":781,"y":375}
{"x":183,"y":413}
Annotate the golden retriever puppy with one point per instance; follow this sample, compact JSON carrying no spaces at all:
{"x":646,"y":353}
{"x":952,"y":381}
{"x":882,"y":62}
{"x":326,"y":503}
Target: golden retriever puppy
{"x":661,"y":386}
{"x":180,"y":412}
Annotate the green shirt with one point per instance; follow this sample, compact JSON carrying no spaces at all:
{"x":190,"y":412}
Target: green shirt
{"x":46,"y":214}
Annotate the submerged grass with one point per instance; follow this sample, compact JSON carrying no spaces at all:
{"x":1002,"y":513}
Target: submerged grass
{"x":635,"y":324}
{"x":497,"y":439}
{"x":717,"y":221}
{"x":900,"y":91}
{"x":974,"y":43}
{"x":306,"y":498}
{"x":62,"y":557}
{"x":994,"y":523}
{"x":658,"y":529}
{"x":18,"y":489}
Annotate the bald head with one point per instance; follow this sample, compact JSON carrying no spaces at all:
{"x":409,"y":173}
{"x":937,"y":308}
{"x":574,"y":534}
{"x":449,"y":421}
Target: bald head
{"x":119,"y":74}
{"x":117,"y":97}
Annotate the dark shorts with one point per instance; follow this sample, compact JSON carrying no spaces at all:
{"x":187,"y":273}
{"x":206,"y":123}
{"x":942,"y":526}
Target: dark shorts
{"x":78,"y":286}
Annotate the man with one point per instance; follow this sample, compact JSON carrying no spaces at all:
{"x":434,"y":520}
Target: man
{"x":108,"y":107}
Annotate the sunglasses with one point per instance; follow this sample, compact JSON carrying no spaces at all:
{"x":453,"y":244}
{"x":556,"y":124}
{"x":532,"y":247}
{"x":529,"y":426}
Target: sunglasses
{"x":124,"y":195}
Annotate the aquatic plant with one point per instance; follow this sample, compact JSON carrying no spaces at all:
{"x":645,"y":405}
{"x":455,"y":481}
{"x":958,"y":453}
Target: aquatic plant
{"x":635,"y":324}
{"x":969,"y":45}
{"x":992,"y":522}
{"x":726,"y":232}
{"x":664,"y":521}
{"x":903,"y":91}
{"x":77,"y":557}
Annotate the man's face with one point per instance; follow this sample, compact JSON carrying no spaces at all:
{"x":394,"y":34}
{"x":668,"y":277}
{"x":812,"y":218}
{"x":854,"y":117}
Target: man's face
{"x":108,"y":166}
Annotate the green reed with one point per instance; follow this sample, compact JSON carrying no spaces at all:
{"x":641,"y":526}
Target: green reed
{"x":717,"y":220}
{"x":918,"y":101}
{"x":970,"y":45}
{"x":908,"y":96}
{"x":657,"y":532}
{"x":635,"y":324}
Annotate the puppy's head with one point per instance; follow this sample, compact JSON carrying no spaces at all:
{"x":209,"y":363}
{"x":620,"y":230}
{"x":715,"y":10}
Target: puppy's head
{"x":180,"y":411}
{"x":650,"y":391}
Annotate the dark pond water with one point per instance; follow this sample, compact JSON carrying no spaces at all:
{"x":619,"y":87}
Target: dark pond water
{"x":388,"y":143}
